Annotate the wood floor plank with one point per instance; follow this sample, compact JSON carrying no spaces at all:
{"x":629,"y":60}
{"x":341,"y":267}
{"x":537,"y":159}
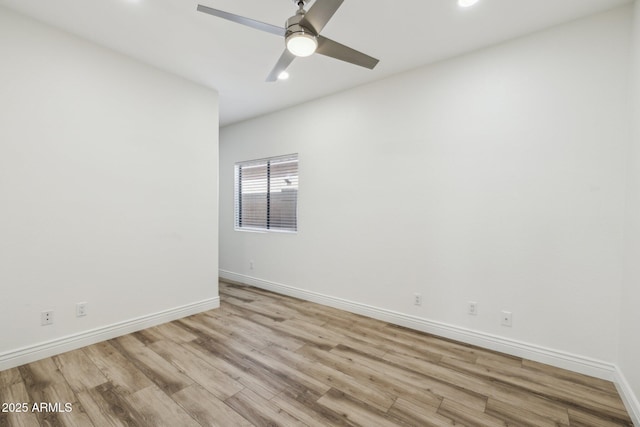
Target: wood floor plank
{"x":365,"y":339}
{"x":582,"y":419}
{"x":483,"y":386}
{"x":317,"y":314}
{"x":210,"y":351}
{"x":107,"y":407}
{"x":16,"y":392}
{"x":254,"y":365}
{"x":261,"y":412}
{"x":412,"y":414}
{"x":117,"y":368}
{"x":9,"y":377}
{"x":268,"y":336}
{"x":555,"y":389}
{"x":242,"y":293}
{"x":253,"y":370}
{"x":530,"y":402}
{"x":307,"y":409}
{"x":428,"y":367}
{"x":147,"y":336}
{"x":603,"y":385}
{"x":351,"y":334}
{"x":159,"y":410}
{"x":305,"y":383}
{"x":421,"y":390}
{"x":79,"y":370}
{"x":519,"y":416}
{"x":37,"y":376}
{"x":206,"y":327}
{"x":173,"y":332}
{"x":354,"y":410}
{"x":468,"y":416}
{"x":207,"y":409}
{"x":249,"y":309}
{"x":265,"y":307}
{"x":378,"y":397}
{"x":40,"y":374}
{"x":157,"y":369}
{"x":99,"y":412}
{"x":309,"y":335}
{"x":433,"y":344}
{"x":264,"y":359}
{"x":496,"y":360}
{"x":400,"y":376}
{"x":62,"y":394}
{"x":206,"y":375}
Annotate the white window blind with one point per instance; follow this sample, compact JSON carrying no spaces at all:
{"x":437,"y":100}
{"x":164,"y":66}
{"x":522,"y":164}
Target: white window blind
{"x":266,"y":194}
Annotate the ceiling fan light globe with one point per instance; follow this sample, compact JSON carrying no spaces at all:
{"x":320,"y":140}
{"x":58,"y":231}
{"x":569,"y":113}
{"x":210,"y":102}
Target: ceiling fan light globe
{"x":302,"y":44}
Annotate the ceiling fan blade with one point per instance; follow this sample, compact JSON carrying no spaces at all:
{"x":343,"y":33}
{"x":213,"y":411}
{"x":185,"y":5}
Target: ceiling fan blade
{"x":336,"y":50}
{"x":320,"y":13}
{"x":285,"y":60}
{"x":242,"y":20}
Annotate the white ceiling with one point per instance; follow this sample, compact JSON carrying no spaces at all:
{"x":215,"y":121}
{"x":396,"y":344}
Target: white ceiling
{"x":235,"y":59}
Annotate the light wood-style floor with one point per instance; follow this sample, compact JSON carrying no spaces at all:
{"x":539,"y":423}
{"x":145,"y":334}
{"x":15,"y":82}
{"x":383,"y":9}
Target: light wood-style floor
{"x":267,"y":360}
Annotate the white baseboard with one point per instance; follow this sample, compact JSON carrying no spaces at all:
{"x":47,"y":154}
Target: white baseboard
{"x":42,"y":350}
{"x":560,"y":359}
{"x":628,"y":397}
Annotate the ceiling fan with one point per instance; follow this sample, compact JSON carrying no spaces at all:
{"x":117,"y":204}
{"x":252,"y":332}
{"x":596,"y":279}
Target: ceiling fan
{"x":302,"y":35}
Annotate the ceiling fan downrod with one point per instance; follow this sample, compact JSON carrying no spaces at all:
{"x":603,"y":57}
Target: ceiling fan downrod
{"x":300,"y":3}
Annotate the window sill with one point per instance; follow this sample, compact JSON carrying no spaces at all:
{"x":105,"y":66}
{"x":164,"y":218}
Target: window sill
{"x":265,"y":231}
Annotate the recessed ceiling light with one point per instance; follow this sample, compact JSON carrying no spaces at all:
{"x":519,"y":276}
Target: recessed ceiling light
{"x":283,"y":76}
{"x":467,"y":3}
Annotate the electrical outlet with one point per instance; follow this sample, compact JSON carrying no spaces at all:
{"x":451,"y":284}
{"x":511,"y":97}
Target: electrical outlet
{"x":251,"y":265}
{"x":46,"y":318}
{"x":81,"y":309}
{"x":472,"y":308}
{"x":417,"y":299}
{"x":507,"y":318}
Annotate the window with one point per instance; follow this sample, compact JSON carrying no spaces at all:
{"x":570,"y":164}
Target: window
{"x":266,"y":193}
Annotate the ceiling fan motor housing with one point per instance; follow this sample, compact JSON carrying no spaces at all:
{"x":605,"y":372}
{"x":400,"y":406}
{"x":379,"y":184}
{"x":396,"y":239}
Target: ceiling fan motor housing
{"x":293,"y":25}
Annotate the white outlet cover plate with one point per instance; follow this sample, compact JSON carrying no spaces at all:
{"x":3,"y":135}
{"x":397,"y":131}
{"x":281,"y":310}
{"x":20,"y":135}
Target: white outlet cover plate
{"x":81,"y":309}
{"x":507,"y":318}
{"x":46,"y":317}
{"x":472,"y":308}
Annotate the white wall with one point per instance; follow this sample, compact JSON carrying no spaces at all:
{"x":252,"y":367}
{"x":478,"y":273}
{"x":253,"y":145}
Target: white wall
{"x":496,"y":177}
{"x":630,"y":315}
{"x":108,"y":190}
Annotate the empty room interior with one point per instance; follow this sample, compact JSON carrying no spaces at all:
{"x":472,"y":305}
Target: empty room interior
{"x":429,"y":218}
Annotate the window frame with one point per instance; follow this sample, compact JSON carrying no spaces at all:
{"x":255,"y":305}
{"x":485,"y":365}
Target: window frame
{"x":238,"y":200}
